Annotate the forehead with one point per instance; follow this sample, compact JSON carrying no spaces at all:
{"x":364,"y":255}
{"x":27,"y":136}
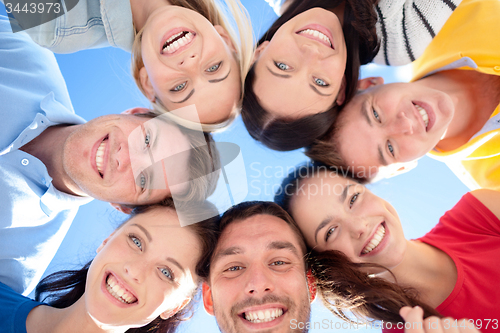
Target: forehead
{"x":256,"y":233}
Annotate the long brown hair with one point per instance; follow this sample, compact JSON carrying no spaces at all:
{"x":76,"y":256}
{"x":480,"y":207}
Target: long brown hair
{"x":362,"y":45}
{"x":64,"y":288}
{"x":345,"y":286}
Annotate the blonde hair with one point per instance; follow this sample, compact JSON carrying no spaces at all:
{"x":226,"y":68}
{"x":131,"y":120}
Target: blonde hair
{"x":217,"y":12}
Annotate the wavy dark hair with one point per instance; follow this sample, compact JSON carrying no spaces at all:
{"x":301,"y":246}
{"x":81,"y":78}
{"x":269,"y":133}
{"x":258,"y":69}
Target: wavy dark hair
{"x":345,"y":286}
{"x":62,"y":289}
{"x":362,"y":45}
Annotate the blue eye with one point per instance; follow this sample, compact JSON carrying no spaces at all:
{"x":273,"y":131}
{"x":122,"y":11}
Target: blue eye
{"x":320,"y":82}
{"x":278,"y":263}
{"x":375,"y":114}
{"x":147,"y":140}
{"x":234,"y":268}
{"x":353,"y":199}
{"x":136,"y":241}
{"x":214,"y":68}
{"x":167,"y":273}
{"x":391,"y":148}
{"x":282,"y":66}
{"x":329,"y":233}
{"x":142,"y":180}
{"x":179,"y":87}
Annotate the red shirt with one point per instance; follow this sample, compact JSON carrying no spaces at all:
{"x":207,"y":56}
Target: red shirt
{"x":470,"y":234}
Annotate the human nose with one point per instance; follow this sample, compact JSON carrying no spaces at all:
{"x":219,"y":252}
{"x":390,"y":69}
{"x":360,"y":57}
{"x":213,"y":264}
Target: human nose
{"x":135,"y":270}
{"x":122,"y":157}
{"x":189,"y":62}
{"x":358,"y":227}
{"x":403,"y":124}
{"x":259,"y":281}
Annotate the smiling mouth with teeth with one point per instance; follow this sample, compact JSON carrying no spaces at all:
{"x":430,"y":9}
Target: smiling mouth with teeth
{"x":375,"y":241}
{"x":423,"y":114}
{"x":177,"y":41}
{"x":316,"y":34}
{"x":263,"y":316}
{"x":99,"y":156}
{"x":118,"y":292}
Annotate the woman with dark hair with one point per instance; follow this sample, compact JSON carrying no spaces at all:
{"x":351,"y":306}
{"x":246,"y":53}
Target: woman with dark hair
{"x":307,"y":64}
{"x":451,"y":268}
{"x":142,"y":278}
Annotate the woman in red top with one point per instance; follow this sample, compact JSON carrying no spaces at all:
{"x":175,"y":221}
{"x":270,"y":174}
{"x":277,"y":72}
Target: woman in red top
{"x":450,"y":269}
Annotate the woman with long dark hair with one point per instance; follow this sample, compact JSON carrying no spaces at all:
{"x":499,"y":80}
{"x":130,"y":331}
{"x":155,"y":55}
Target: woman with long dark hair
{"x":307,"y":64}
{"x":450,"y":269}
{"x":142,"y":278}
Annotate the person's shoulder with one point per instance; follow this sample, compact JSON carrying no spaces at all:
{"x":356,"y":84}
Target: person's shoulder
{"x":490,"y":199}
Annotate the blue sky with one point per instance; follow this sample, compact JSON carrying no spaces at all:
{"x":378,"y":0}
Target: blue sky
{"x":99,"y":82}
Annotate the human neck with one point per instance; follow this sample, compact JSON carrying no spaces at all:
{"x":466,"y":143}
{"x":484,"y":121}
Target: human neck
{"x":428,"y":270}
{"x":75,"y":318}
{"x":141,"y":10}
{"x":474,"y":95}
{"x":48,"y":147}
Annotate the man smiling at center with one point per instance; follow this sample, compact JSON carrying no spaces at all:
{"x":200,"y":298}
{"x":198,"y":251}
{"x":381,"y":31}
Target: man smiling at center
{"x":257,"y":280}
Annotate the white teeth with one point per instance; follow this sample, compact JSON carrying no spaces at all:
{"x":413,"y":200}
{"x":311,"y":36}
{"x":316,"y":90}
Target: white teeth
{"x":118,"y":292}
{"x":263,"y":316}
{"x":375,"y":241}
{"x":99,"y":156}
{"x":174,"y":42}
{"x":316,"y":33}
{"x":423,"y":113}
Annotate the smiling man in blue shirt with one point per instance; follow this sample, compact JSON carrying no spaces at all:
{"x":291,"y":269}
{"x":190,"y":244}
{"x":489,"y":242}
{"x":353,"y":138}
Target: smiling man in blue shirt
{"x":52,"y":161}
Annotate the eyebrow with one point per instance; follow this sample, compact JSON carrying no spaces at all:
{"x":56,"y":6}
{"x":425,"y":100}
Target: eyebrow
{"x":317,"y":91}
{"x":221,"y":79}
{"x":176,"y":263}
{"x":233,"y":250}
{"x":321,"y":226}
{"x":365,"y":114}
{"x":282,"y":245}
{"x":187,"y":97}
{"x":148,"y":235}
{"x":283,"y":76}
{"x":381,"y":157}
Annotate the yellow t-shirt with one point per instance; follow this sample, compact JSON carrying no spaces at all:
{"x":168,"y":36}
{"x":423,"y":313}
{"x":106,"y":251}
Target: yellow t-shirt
{"x":470,"y":41}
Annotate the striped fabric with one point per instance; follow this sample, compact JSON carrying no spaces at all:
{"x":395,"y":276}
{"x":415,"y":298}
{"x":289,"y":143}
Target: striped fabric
{"x":406,"y":27}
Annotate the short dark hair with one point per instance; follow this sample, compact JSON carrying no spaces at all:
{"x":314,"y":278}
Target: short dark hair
{"x":362,"y":45}
{"x":248,"y":209}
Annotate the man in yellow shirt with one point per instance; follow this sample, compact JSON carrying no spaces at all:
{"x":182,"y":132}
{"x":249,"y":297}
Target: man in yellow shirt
{"x":450,"y":109}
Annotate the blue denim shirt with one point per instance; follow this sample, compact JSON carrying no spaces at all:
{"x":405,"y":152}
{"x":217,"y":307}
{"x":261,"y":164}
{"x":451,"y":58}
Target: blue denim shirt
{"x":90,"y":24}
{"x":34,"y":215}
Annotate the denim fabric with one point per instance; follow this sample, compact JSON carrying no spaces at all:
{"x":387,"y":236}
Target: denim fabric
{"x":89,"y":24}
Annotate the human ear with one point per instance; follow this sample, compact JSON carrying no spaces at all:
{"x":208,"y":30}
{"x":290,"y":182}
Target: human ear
{"x":341,"y":95}
{"x":207,"y":298}
{"x":169,"y":313}
{"x":136,"y":110}
{"x":121,"y":208}
{"x":370,"y":82}
{"x":225,"y":36}
{"x":311,"y":283}
{"x":259,"y":50}
{"x":146,"y":84}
